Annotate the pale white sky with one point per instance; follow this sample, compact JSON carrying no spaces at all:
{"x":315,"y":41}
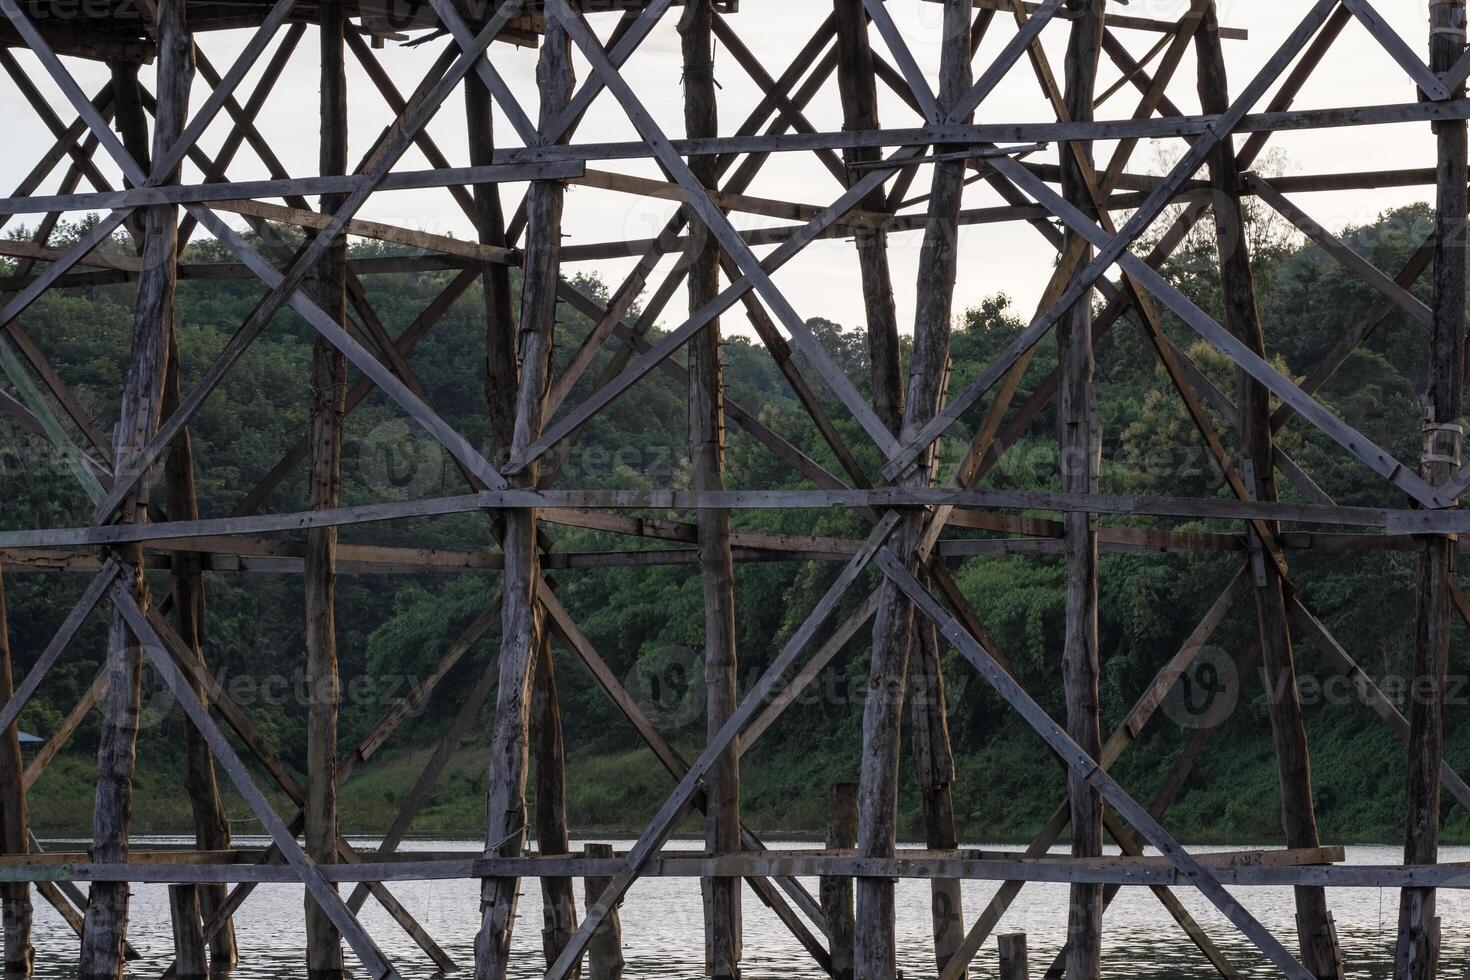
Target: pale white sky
{"x":823,"y":280}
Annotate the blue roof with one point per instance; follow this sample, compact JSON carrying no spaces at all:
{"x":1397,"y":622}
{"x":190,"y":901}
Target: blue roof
{"x":31,"y":739}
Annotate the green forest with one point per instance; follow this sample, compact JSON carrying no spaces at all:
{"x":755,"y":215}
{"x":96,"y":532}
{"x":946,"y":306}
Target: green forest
{"x":646,"y":622}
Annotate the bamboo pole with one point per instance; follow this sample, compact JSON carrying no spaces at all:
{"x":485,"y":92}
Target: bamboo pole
{"x":1416,"y":953}
{"x":328,"y":406}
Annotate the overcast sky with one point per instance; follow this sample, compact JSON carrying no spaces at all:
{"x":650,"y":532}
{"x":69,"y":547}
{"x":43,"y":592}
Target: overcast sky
{"x":823,"y":281}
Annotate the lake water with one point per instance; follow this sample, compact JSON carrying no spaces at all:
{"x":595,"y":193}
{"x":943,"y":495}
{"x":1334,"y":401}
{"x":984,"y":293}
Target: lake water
{"x":663,"y":929}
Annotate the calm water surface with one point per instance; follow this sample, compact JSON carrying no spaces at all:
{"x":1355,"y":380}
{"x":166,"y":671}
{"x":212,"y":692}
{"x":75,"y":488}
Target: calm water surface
{"x":663,"y":929}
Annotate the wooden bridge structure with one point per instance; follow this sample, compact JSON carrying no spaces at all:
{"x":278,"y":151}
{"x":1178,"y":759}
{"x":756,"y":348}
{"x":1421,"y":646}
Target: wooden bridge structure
{"x":133,"y":153}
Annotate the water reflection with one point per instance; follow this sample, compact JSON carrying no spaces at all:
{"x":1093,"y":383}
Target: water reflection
{"x":663,"y":930}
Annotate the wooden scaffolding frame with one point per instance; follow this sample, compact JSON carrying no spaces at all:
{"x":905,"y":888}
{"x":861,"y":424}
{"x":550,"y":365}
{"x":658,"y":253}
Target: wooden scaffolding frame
{"x":1092,"y":214}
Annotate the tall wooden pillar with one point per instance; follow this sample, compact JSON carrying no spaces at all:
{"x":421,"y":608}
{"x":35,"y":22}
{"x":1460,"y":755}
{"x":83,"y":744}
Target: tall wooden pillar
{"x":722,"y":918}
{"x":875,"y":951}
{"x":1314,"y":922}
{"x":328,"y":406}
{"x":14,"y":826}
{"x":521,"y":625}
{"x":1416,"y":954}
{"x":857,"y":85}
{"x":105,"y":929}
{"x":211,"y":827}
{"x":1080,"y":440}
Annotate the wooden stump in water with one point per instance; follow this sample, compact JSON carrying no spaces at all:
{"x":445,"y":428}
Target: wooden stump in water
{"x":605,"y":951}
{"x":1013,"y":964}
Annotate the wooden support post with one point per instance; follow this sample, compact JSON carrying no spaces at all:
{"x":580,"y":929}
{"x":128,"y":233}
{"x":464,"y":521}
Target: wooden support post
{"x":1081,"y":449}
{"x":1013,"y":959}
{"x":328,"y":407}
{"x":14,"y":827}
{"x":875,"y":953}
{"x":722,"y":915}
{"x":190,"y":961}
{"x":934,"y":770}
{"x":521,"y":618}
{"x":211,"y":827}
{"x":500,"y":343}
{"x":103,"y":947}
{"x":558,"y":899}
{"x":842,"y":821}
{"x":605,"y":951}
{"x":1416,"y":954}
{"x":1314,"y":923}
{"x":857,"y":85}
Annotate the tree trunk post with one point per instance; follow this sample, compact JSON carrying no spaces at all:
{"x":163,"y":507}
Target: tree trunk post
{"x":558,"y":898}
{"x":1314,"y":922}
{"x":1416,"y":954}
{"x":328,"y":406}
{"x":605,"y":952}
{"x":1081,"y":447}
{"x":722,"y":916}
{"x":189,"y":946}
{"x":1014,"y":962}
{"x":521,"y":625}
{"x":875,"y":947}
{"x":836,"y":890}
{"x":104,"y":935}
{"x":14,"y":824}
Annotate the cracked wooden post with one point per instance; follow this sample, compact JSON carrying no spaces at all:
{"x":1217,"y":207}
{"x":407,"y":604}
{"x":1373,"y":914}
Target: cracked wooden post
{"x":105,"y":930}
{"x":1081,"y":448}
{"x":836,"y":891}
{"x":521,"y":618}
{"x":328,"y":407}
{"x":1315,"y":932}
{"x":875,"y":953}
{"x":1416,"y":954}
{"x":14,"y":825}
{"x":605,"y":951}
{"x":558,"y":898}
{"x":722,"y":915}
{"x":190,"y":962}
{"x":858,"y":88}
{"x":1014,"y":962}
{"x":186,"y":579}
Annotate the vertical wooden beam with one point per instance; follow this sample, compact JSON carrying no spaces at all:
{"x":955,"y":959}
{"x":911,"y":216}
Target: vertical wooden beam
{"x":934,"y":770}
{"x":875,"y":953}
{"x":190,"y":962}
{"x":1314,"y":922}
{"x":858,"y":87}
{"x":14,"y":826}
{"x":842,"y":822}
{"x":500,"y":344}
{"x":104,"y":932}
{"x":1014,"y":963}
{"x":1416,"y":954}
{"x":211,"y":827}
{"x":605,"y":951}
{"x":722,"y":916}
{"x":328,"y":407}
{"x":1081,"y":447}
{"x":521,"y":619}
{"x":558,"y":898}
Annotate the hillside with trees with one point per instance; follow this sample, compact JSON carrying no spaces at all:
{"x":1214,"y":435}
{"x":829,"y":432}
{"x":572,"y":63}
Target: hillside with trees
{"x":645,"y":622}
